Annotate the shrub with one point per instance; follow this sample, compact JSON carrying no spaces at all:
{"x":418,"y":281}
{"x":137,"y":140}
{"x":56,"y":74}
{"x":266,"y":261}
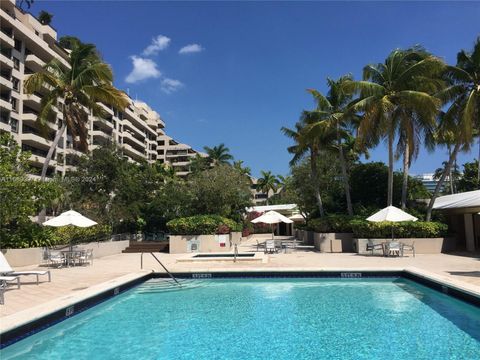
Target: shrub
{"x":202,"y":225}
{"x":332,"y":223}
{"x":30,"y":234}
{"x":418,"y":229}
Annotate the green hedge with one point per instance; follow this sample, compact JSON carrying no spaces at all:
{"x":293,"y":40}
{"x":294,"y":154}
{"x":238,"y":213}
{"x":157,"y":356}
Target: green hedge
{"x":33,"y":235}
{"x":332,"y":224}
{"x":202,"y":225}
{"x":417,"y":229}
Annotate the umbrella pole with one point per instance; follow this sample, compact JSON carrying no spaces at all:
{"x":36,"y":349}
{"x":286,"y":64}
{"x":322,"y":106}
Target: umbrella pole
{"x":392,"y":232}
{"x":273,"y":234}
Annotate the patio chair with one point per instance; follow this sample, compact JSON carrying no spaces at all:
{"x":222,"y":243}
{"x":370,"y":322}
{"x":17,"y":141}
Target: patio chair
{"x":2,"y":292}
{"x":408,"y":248}
{"x":371,"y":246}
{"x":393,"y":248}
{"x":260,"y":245}
{"x":55,"y":258}
{"x":290,"y":245}
{"x":4,"y":280}
{"x":7,"y":271}
{"x":270,"y":247}
{"x":86,"y":257}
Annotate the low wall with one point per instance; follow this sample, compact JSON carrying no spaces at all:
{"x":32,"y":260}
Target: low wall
{"x":180,"y":244}
{"x":333,"y":242}
{"x":422,"y":245}
{"x":34,"y":256}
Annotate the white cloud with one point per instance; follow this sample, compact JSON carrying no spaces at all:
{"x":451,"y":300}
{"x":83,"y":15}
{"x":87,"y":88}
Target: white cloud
{"x":191,"y":48}
{"x":171,"y":85}
{"x":159,"y":43}
{"x":142,"y":69}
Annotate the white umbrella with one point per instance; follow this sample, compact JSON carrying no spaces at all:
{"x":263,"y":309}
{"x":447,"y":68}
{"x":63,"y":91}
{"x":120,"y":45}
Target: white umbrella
{"x":272,"y":217}
{"x":70,"y":217}
{"x":392,"y":214}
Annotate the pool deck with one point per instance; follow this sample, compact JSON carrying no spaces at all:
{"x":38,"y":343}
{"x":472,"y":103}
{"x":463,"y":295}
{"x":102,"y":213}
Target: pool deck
{"x":70,"y":285}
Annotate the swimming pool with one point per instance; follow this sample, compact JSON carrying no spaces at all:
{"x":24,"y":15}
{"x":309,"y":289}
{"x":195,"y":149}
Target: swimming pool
{"x":306,"y":318}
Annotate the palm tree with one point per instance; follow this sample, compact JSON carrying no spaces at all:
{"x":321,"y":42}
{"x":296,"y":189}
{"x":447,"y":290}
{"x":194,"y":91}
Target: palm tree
{"x":85,"y":82}
{"x":244,"y":170}
{"x":390,"y":93}
{"x":305,"y":143}
{"x":267,"y":182}
{"x":336,"y":114}
{"x":463,"y":115}
{"x":219,"y":154}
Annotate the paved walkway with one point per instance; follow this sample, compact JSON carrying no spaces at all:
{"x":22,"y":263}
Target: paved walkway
{"x":458,"y":269}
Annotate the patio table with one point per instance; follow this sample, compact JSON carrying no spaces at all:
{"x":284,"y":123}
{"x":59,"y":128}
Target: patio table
{"x":71,"y":255}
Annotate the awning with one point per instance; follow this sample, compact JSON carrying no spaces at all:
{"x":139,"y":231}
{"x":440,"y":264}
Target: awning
{"x":469,"y":199}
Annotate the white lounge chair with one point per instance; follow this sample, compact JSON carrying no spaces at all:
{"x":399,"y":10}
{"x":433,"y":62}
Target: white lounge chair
{"x":4,"y":280}
{"x":7,"y":271}
{"x":270,"y":246}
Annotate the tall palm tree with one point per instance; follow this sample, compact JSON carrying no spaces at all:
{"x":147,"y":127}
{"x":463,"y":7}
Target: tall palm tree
{"x":267,"y":182}
{"x":305,"y":143}
{"x":463,"y":115}
{"x":85,"y":82}
{"x":392,"y":91}
{"x":219,"y":154}
{"x":335,"y":113}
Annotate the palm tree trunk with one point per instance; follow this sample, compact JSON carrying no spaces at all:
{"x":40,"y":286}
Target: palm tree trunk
{"x":406,"y":167}
{"x":390,"y":169}
{"x":478,"y":168}
{"x":346,"y":184}
{"x":451,"y":160}
{"x":52,"y":150}
{"x":450,"y":177}
{"x":48,"y":158}
{"x":314,"y":175}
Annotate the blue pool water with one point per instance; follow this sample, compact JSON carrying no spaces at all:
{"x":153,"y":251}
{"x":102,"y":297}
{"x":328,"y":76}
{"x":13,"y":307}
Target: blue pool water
{"x":266,"y":319}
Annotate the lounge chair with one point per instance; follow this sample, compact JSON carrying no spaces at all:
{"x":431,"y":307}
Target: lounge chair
{"x":270,"y":247}
{"x":408,"y":248}
{"x":290,"y":245}
{"x":4,"y":280}
{"x":86,"y":257}
{"x":260,"y":245}
{"x":7,"y":271}
{"x":371,"y":246}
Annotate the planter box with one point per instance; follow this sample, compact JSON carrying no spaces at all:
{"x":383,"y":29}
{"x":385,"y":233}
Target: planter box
{"x":333,"y":242}
{"x":422,"y":245}
{"x":180,"y":244}
{"x":34,"y":256}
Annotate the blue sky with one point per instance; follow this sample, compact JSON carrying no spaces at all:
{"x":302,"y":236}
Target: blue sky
{"x":244,"y":67}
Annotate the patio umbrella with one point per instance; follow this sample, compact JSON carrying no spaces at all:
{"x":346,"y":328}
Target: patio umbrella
{"x":272,"y":217}
{"x":392,"y":214}
{"x":70,"y":217}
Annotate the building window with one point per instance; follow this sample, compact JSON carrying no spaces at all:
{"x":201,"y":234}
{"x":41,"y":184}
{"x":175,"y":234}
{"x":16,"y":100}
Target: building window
{"x":14,"y":103}
{"x":16,"y":63}
{"x":14,"y":125}
{"x":18,"y":45}
{"x":16,"y":84}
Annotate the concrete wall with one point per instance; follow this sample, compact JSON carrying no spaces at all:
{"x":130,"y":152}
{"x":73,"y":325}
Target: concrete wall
{"x":207,"y":243}
{"x":34,"y":256}
{"x":422,"y":245}
{"x":333,"y":242}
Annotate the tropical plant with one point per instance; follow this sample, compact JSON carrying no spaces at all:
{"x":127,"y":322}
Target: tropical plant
{"x":199,"y":163}
{"x":338,"y":117}
{"x":45,"y":17}
{"x":81,"y":85}
{"x":267,"y":183}
{"x":219,"y":154}
{"x":463,"y":114}
{"x":244,"y":170}
{"x":396,"y":97}
{"x":469,"y":180}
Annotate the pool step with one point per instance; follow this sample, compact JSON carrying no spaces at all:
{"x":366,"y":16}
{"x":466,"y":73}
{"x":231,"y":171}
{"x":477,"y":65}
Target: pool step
{"x":155,"y":286}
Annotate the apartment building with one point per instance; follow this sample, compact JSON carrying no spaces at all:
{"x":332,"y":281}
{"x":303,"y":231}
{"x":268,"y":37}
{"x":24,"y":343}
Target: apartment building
{"x":25,"y":46}
{"x":176,"y":154}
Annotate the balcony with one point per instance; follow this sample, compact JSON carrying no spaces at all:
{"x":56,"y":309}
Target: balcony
{"x":39,"y":160}
{"x":180,"y":163}
{"x":6,"y":40}
{"x":32,"y":101}
{"x":106,"y":108}
{"x":6,"y":61}
{"x":182,"y":173}
{"x":132,"y":152}
{"x":34,"y":62}
{"x":5,"y":104}
{"x":130,"y":137}
{"x":35,"y":141}
{"x":103,"y":124}
{"x":133,"y":128}
{"x":5,"y":82}
{"x":99,"y":137}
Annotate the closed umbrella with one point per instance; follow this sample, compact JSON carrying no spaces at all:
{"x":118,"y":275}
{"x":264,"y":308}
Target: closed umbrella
{"x":392,"y":214}
{"x":272,"y":217}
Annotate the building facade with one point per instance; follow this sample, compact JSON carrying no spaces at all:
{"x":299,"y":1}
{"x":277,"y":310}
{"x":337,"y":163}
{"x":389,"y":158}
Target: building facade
{"x":25,"y":46}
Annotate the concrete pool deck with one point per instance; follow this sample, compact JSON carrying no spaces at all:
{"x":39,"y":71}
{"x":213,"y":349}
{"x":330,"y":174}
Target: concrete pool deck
{"x":72,"y":284}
